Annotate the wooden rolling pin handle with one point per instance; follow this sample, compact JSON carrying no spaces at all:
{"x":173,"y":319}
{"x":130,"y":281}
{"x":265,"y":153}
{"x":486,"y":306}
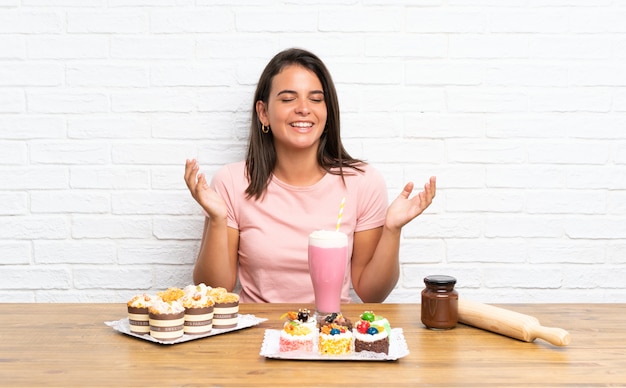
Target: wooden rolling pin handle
{"x":553,"y":335}
{"x":509,"y":323}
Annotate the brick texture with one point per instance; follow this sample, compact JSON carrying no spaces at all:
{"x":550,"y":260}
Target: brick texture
{"x":518,"y":107}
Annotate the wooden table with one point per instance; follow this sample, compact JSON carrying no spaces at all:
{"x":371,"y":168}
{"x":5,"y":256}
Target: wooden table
{"x":69,"y":345}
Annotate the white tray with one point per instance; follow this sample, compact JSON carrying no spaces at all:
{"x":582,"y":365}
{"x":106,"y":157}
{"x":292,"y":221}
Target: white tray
{"x":246,"y":320}
{"x":271,"y":346}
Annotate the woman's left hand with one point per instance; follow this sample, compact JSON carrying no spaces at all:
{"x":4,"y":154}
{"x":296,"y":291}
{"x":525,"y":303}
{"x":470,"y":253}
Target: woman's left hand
{"x":404,"y":209}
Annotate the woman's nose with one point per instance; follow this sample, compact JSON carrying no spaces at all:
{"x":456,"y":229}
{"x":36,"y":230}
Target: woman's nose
{"x":302,"y":107}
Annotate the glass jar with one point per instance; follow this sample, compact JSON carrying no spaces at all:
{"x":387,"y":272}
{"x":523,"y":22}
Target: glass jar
{"x":440,"y":302}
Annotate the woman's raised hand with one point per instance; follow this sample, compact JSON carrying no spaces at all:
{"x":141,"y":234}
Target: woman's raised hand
{"x":404,"y":209}
{"x":209,"y":199}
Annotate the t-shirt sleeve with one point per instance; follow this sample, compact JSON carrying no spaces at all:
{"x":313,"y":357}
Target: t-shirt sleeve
{"x":224,"y":183}
{"x":373,"y":200}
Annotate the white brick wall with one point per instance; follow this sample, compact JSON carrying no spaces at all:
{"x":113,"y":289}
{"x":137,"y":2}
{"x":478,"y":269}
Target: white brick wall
{"x":518,"y":106}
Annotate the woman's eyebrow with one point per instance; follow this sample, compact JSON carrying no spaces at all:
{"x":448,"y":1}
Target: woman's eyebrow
{"x":287,"y":91}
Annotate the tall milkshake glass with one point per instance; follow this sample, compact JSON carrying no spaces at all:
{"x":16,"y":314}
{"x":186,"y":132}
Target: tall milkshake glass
{"x":328,"y":259}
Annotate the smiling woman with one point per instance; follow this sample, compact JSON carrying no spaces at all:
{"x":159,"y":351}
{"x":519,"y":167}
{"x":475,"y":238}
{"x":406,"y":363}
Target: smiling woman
{"x":261,"y":211}
{"x":292,"y":77}
{"x":295,"y":112}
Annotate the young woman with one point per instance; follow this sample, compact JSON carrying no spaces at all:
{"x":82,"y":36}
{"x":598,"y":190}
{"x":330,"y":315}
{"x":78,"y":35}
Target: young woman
{"x":262,"y":210}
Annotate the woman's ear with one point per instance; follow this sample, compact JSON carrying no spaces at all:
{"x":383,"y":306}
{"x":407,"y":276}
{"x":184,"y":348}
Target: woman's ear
{"x":261,"y":112}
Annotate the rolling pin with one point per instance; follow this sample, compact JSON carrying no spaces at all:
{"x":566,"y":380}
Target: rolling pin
{"x":509,"y":323}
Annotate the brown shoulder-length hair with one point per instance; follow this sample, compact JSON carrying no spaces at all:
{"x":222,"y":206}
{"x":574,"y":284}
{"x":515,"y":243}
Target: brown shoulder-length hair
{"x":261,"y":154}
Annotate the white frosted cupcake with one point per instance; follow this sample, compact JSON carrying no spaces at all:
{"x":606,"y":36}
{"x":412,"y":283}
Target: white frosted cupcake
{"x":171,"y":294}
{"x":167,"y":320}
{"x":194,"y":288}
{"x":199,"y":307}
{"x":226,"y":308}
{"x":138,"y":319}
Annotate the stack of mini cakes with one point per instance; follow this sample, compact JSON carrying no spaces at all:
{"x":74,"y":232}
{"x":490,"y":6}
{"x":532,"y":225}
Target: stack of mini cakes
{"x":336,"y":334}
{"x":194,"y":310}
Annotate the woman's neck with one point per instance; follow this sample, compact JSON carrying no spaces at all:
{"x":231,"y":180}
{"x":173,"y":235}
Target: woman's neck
{"x":298,"y":169}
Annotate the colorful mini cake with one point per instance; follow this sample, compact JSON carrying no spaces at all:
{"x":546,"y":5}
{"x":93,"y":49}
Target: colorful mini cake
{"x":167,"y":319}
{"x":198,"y":309}
{"x":138,"y":313}
{"x":371,"y":333}
{"x":382,"y":322}
{"x":298,"y":332}
{"x":335,"y":337}
{"x":226,"y":308}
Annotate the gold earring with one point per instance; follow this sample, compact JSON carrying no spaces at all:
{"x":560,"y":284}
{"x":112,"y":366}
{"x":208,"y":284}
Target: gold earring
{"x":265,"y":129}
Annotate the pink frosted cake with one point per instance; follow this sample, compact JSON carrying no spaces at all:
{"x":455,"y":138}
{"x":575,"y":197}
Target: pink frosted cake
{"x":298,"y":332}
{"x":371,"y":333}
{"x":138,"y":319}
{"x":335,"y":336}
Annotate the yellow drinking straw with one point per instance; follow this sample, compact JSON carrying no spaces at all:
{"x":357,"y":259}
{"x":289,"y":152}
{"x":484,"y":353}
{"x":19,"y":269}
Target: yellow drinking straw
{"x":343,"y":202}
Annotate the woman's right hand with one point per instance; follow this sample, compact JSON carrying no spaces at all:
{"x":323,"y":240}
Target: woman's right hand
{"x":209,"y":199}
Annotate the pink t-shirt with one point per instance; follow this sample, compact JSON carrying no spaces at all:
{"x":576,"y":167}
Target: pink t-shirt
{"x":274,"y":230}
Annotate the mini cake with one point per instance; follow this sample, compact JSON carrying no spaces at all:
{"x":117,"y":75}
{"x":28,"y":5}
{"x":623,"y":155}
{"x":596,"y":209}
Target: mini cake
{"x":201,"y":288}
{"x":226,"y":308}
{"x":138,"y":313}
{"x":298,"y":331}
{"x":167,"y":319}
{"x":171,"y":294}
{"x":198,"y":310}
{"x":335,"y":337}
{"x":371,"y":333}
{"x":382,"y":322}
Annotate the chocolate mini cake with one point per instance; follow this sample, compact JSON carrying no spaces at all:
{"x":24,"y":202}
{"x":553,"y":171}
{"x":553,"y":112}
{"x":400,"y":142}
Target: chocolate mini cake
{"x":371,"y":344}
{"x":371,"y":334}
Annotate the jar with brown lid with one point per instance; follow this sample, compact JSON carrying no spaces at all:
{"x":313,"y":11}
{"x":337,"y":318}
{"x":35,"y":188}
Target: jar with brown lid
{"x":440,"y":302}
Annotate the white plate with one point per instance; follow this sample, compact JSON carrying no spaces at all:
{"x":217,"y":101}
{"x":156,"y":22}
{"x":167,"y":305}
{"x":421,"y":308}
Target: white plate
{"x":245,"y":320}
{"x":271,"y":346}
